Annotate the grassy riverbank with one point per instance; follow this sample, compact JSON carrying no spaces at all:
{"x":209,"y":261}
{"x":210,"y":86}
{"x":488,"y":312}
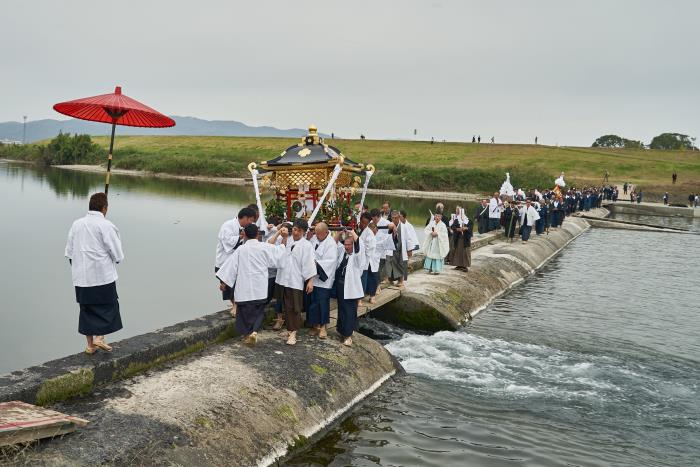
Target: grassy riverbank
{"x":414,"y":165}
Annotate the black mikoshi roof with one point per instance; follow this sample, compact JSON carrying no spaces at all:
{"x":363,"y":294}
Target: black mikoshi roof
{"x":311,"y":150}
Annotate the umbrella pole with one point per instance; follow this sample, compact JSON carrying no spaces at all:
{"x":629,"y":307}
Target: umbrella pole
{"x":109,"y":158}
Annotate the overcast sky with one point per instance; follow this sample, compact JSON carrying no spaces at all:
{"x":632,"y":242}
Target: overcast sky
{"x":567,"y":71}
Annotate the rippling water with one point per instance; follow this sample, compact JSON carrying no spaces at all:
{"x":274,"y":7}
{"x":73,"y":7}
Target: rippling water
{"x":593,"y":361}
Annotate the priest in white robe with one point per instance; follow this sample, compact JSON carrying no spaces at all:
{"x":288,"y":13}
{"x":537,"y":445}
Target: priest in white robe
{"x":436,"y":245}
{"x":94,"y":248}
{"x":528,"y":217}
{"x":348,"y":287}
{"x":294,"y":274}
{"x":318,"y":314}
{"x":246,"y":272}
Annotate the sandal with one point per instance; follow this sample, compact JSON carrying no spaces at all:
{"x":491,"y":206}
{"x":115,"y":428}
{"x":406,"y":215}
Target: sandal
{"x":102,"y":344}
{"x":90,"y":350}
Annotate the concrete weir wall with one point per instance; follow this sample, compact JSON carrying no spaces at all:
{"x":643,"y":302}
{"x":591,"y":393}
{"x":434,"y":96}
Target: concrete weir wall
{"x":447,"y":301}
{"x":227,"y":404}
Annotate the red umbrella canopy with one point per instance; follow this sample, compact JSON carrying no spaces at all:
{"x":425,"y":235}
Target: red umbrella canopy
{"x":115,"y":108}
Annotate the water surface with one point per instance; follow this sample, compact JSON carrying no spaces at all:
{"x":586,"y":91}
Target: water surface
{"x":593,"y":361}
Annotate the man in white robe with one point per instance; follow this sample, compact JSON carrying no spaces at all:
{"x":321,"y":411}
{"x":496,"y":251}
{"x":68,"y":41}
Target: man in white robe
{"x":367,"y":244}
{"x":246,"y":271}
{"x":382,"y":224}
{"x":495,"y":206}
{"x":318,"y":314}
{"x":397,"y":261}
{"x":348,"y":287}
{"x":231,"y":237}
{"x":294,"y":272}
{"x":94,"y":249}
{"x":528,"y":218}
{"x":411,"y":239}
{"x":375,"y":256}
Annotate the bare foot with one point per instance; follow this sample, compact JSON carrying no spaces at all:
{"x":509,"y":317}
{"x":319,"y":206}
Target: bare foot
{"x":372,"y":300}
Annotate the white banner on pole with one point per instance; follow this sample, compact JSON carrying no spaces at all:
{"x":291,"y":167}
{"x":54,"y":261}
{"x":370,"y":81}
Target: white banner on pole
{"x":368,"y":175}
{"x":331,"y":182}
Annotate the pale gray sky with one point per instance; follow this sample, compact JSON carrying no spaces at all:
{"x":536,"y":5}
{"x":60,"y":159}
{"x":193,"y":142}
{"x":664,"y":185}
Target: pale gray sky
{"x":568,"y":71}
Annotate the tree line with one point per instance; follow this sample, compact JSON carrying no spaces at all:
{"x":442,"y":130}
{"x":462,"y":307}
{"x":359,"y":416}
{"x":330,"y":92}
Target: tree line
{"x":664,"y":141}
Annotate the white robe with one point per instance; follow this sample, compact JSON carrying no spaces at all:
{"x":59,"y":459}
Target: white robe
{"x":381,"y":238}
{"x":297,"y":264}
{"x":404,"y":242}
{"x":247,"y":269}
{"x":326,"y":255}
{"x":228,"y":238}
{"x":494,"y":209}
{"x":411,"y":236}
{"x":368,"y":245}
{"x":352,"y":288}
{"x":532,"y":216}
{"x":382,"y":244}
{"x":94,"y":248}
{"x":443,"y":242}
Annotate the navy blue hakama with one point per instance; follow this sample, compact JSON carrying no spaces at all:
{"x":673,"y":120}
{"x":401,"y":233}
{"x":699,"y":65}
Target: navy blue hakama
{"x":249,"y":316}
{"x":319,"y":310}
{"x":347,"y":312}
{"x":99,"y":310}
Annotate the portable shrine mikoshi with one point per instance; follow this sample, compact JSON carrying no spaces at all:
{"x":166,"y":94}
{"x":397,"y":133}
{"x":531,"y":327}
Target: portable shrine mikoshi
{"x":313,"y":181}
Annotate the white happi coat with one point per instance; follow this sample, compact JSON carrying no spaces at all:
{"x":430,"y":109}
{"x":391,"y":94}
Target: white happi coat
{"x":94,"y":248}
{"x":494,"y":209}
{"x":326,"y":255}
{"x":368,"y":249}
{"x":229,"y":236}
{"x":532,"y":216}
{"x":247,"y":269}
{"x":411,"y":236}
{"x":352,"y":289}
{"x":388,"y":248}
{"x":382,"y":244}
{"x":297,"y":264}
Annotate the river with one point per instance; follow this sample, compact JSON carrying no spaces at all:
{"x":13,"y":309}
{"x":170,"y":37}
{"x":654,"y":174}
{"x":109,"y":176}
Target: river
{"x":593,"y":361}
{"x":168,"y":228}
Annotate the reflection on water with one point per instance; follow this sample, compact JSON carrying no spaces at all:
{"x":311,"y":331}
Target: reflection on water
{"x":593,"y":361}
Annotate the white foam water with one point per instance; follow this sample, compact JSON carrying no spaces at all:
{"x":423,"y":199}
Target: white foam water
{"x":514,"y":369}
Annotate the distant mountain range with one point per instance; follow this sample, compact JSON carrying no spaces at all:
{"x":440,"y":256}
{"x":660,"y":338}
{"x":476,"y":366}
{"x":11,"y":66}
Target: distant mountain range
{"x":38,"y":130}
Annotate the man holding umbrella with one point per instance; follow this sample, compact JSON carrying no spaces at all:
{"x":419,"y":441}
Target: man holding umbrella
{"x":94,"y":247}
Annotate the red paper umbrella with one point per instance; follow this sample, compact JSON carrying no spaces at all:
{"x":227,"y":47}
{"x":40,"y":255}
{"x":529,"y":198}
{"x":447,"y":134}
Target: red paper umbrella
{"x":116,"y":109}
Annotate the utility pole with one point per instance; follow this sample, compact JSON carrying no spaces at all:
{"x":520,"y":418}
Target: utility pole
{"x":24,"y":130}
